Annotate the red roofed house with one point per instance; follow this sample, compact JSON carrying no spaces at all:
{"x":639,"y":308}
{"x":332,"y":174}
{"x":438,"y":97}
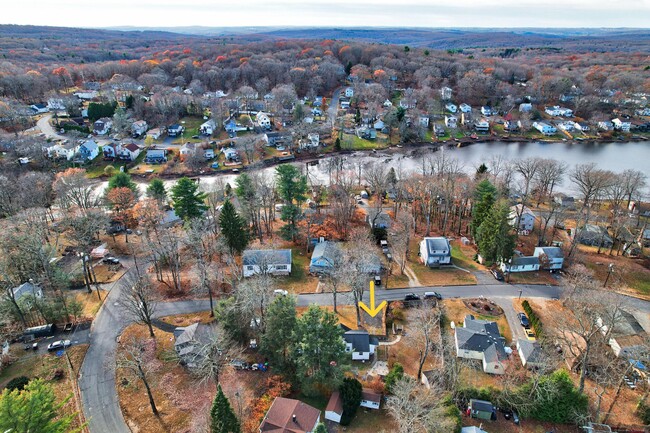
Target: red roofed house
{"x":290,"y":416}
{"x":334,"y":409}
{"x":370,"y":399}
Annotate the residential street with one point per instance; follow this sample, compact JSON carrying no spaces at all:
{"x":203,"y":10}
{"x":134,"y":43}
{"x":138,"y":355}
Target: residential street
{"x":97,"y":379}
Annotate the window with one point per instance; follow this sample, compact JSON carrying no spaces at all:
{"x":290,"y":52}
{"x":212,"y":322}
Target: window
{"x":249,"y":268}
{"x":281,"y":267}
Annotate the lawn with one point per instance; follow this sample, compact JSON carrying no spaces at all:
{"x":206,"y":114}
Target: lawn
{"x":541,"y":277}
{"x":455,"y":311}
{"x":443,"y":276}
{"x":353,"y":142}
{"x":299,"y":281}
{"x":188,"y":319}
{"x":462,"y":256}
{"x":44,"y":366}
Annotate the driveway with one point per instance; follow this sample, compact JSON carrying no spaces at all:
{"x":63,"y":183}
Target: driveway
{"x":511,"y":315}
{"x":44,"y":125}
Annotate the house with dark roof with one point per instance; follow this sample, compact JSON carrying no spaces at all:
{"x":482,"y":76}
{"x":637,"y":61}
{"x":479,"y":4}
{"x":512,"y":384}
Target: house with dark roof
{"x":627,"y":337}
{"x":175,"y":130}
{"x":156,"y":156}
{"x":435,"y":251}
{"x":550,"y":258}
{"x":521,"y":264}
{"x":287,"y":415}
{"x":379,"y":221}
{"x":595,"y":236}
{"x":129,"y":152}
{"x":360,"y":344}
{"x":334,"y":409}
{"x":190,"y":342}
{"x":529,"y":352}
{"x":482,"y":409}
{"x":370,"y":399}
{"x":274,"y":262}
{"x":564,"y":200}
{"x":102,"y":126}
{"x":481,"y":340}
{"x":637,"y":208}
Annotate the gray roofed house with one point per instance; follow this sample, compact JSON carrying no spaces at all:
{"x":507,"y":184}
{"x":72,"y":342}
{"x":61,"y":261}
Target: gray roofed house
{"x":27,"y":289}
{"x":482,"y":409}
{"x":190,"y":342}
{"x":275,"y":262}
{"x":360,"y":344}
{"x":593,"y":235}
{"x":435,"y":251}
{"x":530,"y":353}
{"x":381,"y":221}
{"x":481,"y":340}
{"x":323,"y":257}
{"x":552,"y":258}
{"x":627,"y":336}
{"x":521,"y":264}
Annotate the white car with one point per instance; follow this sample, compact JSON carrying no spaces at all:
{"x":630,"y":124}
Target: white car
{"x":59,"y":344}
{"x":280,"y":292}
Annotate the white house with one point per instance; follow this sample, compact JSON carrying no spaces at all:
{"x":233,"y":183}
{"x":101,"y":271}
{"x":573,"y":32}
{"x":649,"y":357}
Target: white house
{"x":208,"y":153}
{"x":102,"y":126}
{"x":388,"y":103}
{"x":55,"y":104}
{"x":445,"y":93}
{"x":230,"y":153}
{"x":370,"y":399}
{"x":349,"y":92}
{"x":551,"y":258}
{"x":525,"y":107}
{"x":86,"y":96}
{"x":154,"y":133}
{"x":129,"y":152}
{"x":621,"y":125}
{"x":139,"y":128}
{"x":39,"y":108}
{"x":208,"y":127}
{"x":481,"y":340}
{"x":605,"y":125}
{"x":486,"y":111}
{"x":520,"y":264}
{"x":263,"y":120}
{"x":558,"y":111}
{"x":451,"y":121}
{"x":545,"y":128}
{"x":423,"y":121}
{"x":360,"y":344}
{"x":156,"y":156}
{"x":65,"y":151}
{"x":188,"y":149}
{"x":530,"y":353}
{"x":175,"y":130}
{"x":465,"y":108}
{"x":435,"y":251}
{"x":334,"y":409}
{"x":274,"y":262}
{"x":451,"y":107}
{"x":27,"y":289}
{"x":524,"y":215}
{"x":482,"y":125}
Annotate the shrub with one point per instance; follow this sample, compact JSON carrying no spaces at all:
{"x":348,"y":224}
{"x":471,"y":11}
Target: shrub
{"x":533,"y":318}
{"x":395,"y":374}
{"x":350,"y":391}
{"x":643,"y":411}
{"x":58,"y":374}
{"x":18,"y":383}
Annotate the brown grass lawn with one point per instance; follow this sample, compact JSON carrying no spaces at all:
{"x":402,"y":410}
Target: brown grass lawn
{"x":183,"y":403}
{"x":188,"y":319}
{"x":456,"y":312}
{"x":630,"y":275}
{"x":406,"y":351}
{"x":541,"y":277}
{"x":108,"y":273}
{"x":90,"y":301}
{"x":44,"y":366}
{"x":369,"y":421}
{"x":442,"y":276}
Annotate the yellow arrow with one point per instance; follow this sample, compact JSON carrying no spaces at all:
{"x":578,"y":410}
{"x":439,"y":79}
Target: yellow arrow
{"x":372,"y":311}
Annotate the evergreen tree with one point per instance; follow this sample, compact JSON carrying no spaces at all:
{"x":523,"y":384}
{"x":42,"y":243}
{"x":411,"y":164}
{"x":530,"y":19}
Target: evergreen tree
{"x":156,"y":190}
{"x":222,"y":417}
{"x":320,"y":428}
{"x":319,"y":342}
{"x":392,"y":176}
{"x":34,"y":409}
{"x":292,"y":187}
{"x":485,"y":195}
{"x":233,"y":228}
{"x":122,"y":180}
{"x":280,"y":328}
{"x":350,"y":391}
{"x":188,"y":201}
{"x":495,"y":239}
{"x":337,"y":144}
{"x":395,"y":374}
{"x":348,"y":68}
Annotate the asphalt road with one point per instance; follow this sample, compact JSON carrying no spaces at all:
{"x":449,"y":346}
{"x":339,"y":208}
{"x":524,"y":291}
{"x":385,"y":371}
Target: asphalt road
{"x":97,"y":379}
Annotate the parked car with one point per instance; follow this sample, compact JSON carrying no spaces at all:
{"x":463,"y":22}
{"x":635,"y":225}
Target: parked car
{"x":530,"y":335}
{"x":215,"y":165}
{"x":432,"y":295}
{"x":238,"y":364}
{"x":111,"y":260}
{"x":411,"y":297}
{"x":377,"y":280}
{"x":57,"y":345}
{"x":523,"y":320}
{"x":498,"y":275}
{"x":280,"y":292}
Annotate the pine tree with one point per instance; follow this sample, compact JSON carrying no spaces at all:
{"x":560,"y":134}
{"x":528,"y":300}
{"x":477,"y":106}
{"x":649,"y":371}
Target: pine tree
{"x":233,"y":228}
{"x":480,"y":212}
{"x":495,"y":239}
{"x":34,"y":409}
{"x":188,"y":201}
{"x":156,"y":190}
{"x":278,"y":339}
{"x":320,"y":428}
{"x":350,"y":390}
{"x":292,"y":187}
{"x":222,"y":417}
{"x":122,"y":180}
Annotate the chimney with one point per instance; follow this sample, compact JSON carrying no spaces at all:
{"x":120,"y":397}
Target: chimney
{"x":293,"y":417}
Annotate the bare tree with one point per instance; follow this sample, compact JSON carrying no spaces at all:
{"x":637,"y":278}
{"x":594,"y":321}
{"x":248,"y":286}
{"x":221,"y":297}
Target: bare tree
{"x":634,"y":182}
{"x":550,"y":173}
{"x":139,"y":300}
{"x":213,"y":358}
{"x":134,"y":358}
{"x":425,"y":323}
{"x":254,"y":295}
{"x":203,"y":246}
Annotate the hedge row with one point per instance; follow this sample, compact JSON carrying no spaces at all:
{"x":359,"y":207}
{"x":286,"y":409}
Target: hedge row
{"x":534,"y":320}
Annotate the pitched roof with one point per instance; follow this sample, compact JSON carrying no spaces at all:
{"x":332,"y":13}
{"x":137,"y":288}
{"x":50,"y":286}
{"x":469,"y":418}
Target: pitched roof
{"x":324,"y":250}
{"x":359,"y":339}
{"x":335,"y":403}
{"x":132,"y":147}
{"x":368,"y":394}
{"x":481,"y":336}
{"x":530,"y":350}
{"x":523,"y":261}
{"x":552,"y":252}
{"x":266,"y":257}
{"x":481,"y":405}
{"x":437,"y":244}
{"x":279,"y":418}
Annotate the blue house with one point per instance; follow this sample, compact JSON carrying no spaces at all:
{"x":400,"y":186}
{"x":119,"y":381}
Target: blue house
{"x":323,"y":257}
{"x":89,"y":150}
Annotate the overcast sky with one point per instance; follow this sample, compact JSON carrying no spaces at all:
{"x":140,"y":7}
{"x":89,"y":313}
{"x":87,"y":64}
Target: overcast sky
{"x":332,"y":13}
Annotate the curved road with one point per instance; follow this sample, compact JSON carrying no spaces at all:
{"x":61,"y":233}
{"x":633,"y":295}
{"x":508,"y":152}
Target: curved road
{"x":97,"y":379}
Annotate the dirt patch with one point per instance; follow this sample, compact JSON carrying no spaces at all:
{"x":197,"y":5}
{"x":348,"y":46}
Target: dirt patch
{"x":483,"y":307}
{"x":541,"y":277}
{"x":188,"y":319}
